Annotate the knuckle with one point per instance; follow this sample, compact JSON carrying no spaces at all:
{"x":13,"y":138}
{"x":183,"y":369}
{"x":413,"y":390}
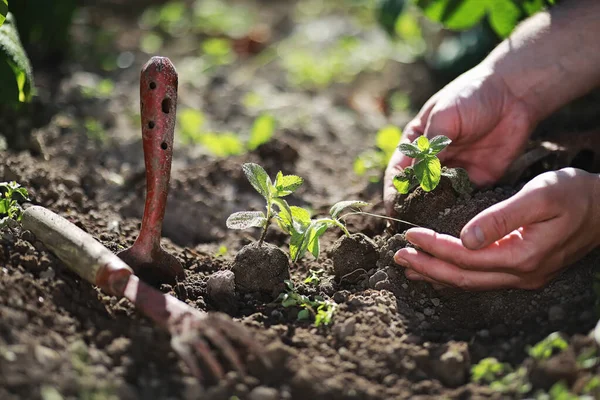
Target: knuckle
{"x":500,"y":222}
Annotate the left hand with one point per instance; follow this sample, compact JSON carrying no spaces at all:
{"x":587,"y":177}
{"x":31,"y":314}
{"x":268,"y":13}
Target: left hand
{"x":522,"y":242}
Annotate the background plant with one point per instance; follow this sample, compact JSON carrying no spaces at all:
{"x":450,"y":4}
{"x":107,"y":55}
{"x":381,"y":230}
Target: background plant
{"x":11,"y":194}
{"x":322,"y":310}
{"x":427,"y":170}
{"x":15,"y":69}
{"x":272,"y":192}
{"x":372,"y":162}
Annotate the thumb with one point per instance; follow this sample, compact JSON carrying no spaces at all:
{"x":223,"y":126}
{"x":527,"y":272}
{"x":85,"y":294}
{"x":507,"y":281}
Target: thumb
{"x":525,"y":208}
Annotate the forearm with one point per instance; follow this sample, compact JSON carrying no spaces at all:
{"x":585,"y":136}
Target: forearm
{"x":553,"y":57}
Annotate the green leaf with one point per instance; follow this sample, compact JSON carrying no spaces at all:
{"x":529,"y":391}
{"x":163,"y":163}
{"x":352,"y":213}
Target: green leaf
{"x":409,"y":150}
{"x":222,"y":144}
{"x":284,"y":216}
{"x":3,"y":10}
{"x":422,"y":143}
{"x":387,"y":140}
{"x":289,"y":301}
{"x":388,"y":12}
{"x":303,"y":315}
{"x":262,"y":131}
{"x":296,"y":240}
{"x":504,"y":15}
{"x":402,"y":184}
{"x":258,"y":178}
{"x":301,"y":216}
{"x":428,"y":171}
{"x":15,"y":70}
{"x":287,"y":184}
{"x":246,"y":219}
{"x":454,"y":14}
{"x":340,"y":206}
{"x":313,"y":240}
{"x":546,"y":348}
{"x":438,"y":144}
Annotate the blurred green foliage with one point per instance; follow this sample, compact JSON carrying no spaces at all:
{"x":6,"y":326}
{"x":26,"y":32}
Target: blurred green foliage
{"x":373,"y":162}
{"x":223,"y":144}
{"x":15,"y":70}
{"x":3,"y":10}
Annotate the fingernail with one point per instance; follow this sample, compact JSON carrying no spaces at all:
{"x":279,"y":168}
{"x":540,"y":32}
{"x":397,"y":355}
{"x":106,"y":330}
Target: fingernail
{"x":412,"y":275}
{"x":473,"y":238}
{"x":401,"y":261}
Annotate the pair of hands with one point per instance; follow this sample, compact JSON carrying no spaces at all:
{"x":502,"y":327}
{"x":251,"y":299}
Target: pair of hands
{"x":522,"y":242}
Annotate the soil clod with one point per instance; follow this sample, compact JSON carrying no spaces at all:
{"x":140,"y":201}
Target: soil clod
{"x":260,"y":268}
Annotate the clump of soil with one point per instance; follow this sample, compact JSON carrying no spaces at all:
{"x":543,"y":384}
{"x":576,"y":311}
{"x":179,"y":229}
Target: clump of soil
{"x":351,"y":254}
{"x":260,"y":268}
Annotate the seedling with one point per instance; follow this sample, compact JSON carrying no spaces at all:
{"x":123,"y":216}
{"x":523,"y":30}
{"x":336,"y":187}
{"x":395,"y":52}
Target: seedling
{"x":427,"y":171}
{"x":314,"y":276}
{"x":306,"y":232}
{"x":548,"y":347}
{"x":284,"y":185}
{"x":373,"y":161}
{"x":11,"y":193}
{"x":322,"y":310}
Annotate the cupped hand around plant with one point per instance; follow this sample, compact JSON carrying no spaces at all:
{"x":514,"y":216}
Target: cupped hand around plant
{"x":522,"y":242}
{"x":487,"y":124}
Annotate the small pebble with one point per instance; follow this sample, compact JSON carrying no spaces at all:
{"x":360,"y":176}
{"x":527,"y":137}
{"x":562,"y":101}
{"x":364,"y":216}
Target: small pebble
{"x":263,"y":393}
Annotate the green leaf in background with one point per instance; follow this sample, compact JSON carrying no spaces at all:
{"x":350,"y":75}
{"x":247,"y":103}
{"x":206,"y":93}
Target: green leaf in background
{"x":504,"y":15}
{"x":3,"y":10}
{"x":387,"y":139}
{"x":222,"y":144}
{"x":262,"y":131}
{"x":15,"y":69}
{"x":246,"y":219}
{"x":454,"y":14}
{"x":258,"y":178}
{"x":428,"y":172}
{"x":340,"y":206}
{"x":388,"y":12}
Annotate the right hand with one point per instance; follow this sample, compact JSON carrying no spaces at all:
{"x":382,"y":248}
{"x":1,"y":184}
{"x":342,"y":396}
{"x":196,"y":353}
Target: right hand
{"x":488,"y":125}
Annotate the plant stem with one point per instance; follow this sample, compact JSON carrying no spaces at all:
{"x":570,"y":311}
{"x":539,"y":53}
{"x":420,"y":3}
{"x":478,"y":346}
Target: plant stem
{"x":380,"y":216}
{"x":336,"y":223}
{"x":264,"y":232}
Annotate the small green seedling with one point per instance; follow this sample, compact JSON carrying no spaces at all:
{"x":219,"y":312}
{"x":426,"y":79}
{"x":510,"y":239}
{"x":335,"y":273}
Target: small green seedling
{"x":306,"y":232}
{"x":322,"y":310}
{"x":489,"y":370}
{"x":372,"y":162}
{"x":548,"y":347}
{"x":273,"y":192}
{"x":427,"y":170}
{"x":314,"y":276}
{"x":11,"y":194}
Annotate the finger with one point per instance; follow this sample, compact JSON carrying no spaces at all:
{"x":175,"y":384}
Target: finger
{"x":449,"y":274}
{"x":524,"y":208}
{"x":226,"y":348}
{"x":415,"y":276}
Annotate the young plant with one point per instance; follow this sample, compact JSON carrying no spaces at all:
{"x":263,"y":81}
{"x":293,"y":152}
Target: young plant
{"x":314,"y":276}
{"x":427,"y":170}
{"x":549,"y":346}
{"x":273,"y":192}
{"x":306,"y":232}
{"x":372,"y":162}
{"x":11,"y":193}
{"x":322,"y":310}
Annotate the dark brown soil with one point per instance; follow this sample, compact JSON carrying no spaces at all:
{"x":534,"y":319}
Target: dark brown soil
{"x":60,"y":337}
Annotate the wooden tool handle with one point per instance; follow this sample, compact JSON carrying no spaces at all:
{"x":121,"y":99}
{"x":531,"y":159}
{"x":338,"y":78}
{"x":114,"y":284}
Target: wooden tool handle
{"x":78,"y":250}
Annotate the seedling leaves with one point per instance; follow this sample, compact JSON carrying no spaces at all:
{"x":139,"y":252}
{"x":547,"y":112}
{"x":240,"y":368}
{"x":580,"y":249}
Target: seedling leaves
{"x":402,"y":183}
{"x":15,"y":69}
{"x":428,"y":172}
{"x":303,"y":315}
{"x":300,"y":215}
{"x":410,"y":150}
{"x":287,"y":184}
{"x":438,"y":144}
{"x":422,"y":143}
{"x":246,"y":219}
{"x":338,"y":207}
{"x":3,"y":10}
{"x":258,"y":178}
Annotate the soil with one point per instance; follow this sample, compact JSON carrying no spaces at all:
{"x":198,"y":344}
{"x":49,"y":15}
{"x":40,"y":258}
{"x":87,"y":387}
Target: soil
{"x":390,"y":338}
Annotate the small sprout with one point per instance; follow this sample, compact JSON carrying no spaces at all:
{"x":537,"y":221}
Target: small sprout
{"x":262,"y":131}
{"x":548,"y":347}
{"x":306,"y":232}
{"x":284,"y":185}
{"x":11,"y":194}
{"x":221,"y":252}
{"x":322,"y":310}
{"x":314,"y":276}
{"x":427,"y":171}
{"x":488,"y":370}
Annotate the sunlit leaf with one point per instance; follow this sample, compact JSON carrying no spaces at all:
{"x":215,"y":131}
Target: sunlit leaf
{"x":3,"y":10}
{"x":504,"y":15}
{"x":262,"y":131}
{"x":428,"y":171}
{"x":402,"y":184}
{"x":340,"y":206}
{"x":422,"y":143}
{"x":258,"y":178}
{"x":246,"y":219}
{"x":438,"y":144}
{"x":387,"y":139}
{"x":222,"y":144}
{"x":15,"y":69}
{"x":409,"y":150}
{"x":287,"y":184}
{"x":454,"y":14}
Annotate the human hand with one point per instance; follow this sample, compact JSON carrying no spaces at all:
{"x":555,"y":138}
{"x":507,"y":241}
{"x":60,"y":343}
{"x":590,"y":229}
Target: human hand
{"x":522,"y":242}
{"x":486,"y":122}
